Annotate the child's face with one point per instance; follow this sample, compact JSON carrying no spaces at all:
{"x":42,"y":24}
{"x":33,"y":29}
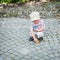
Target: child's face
{"x":36,"y":21}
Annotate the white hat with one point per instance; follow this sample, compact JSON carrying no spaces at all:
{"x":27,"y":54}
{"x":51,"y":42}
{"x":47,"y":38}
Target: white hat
{"x":34,"y":16}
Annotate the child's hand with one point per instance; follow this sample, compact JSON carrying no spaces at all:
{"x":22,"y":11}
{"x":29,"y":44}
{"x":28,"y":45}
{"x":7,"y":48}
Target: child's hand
{"x":36,"y":41}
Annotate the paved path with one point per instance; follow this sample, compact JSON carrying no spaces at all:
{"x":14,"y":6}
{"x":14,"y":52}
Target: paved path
{"x":14,"y":44}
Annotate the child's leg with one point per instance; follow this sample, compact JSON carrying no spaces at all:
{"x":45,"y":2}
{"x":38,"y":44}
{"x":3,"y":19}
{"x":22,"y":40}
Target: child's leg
{"x":40,"y":39}
{"x":40,"y":36}
{"x":32,"y":39}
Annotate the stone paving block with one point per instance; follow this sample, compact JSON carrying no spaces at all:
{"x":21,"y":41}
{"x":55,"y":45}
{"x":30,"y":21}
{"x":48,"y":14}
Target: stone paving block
{"x":1,"y":58}
{"x":46,"y":57}
{"x":51,"y":55}
{"x":41,"y":55}
{"x":57,"y":54}
{"x":25,"y":59}
{"x":56,"y":58}
{"x":7,"y":58}
{"x":45,"y":53}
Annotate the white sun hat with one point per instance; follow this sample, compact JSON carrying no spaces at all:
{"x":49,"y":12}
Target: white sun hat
{"x":34,"y":16}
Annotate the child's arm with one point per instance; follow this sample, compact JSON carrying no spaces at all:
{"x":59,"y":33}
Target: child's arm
{"x":39,"y":30}
{"x":33,"y":35}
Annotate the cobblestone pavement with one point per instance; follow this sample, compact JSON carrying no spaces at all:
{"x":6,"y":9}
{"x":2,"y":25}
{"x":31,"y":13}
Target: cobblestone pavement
{"x":14,"y":43}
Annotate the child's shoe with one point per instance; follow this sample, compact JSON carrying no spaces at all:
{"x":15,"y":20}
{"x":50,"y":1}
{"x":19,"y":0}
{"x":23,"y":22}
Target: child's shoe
{"x":31,"y":39}
{"x":40,"y":39}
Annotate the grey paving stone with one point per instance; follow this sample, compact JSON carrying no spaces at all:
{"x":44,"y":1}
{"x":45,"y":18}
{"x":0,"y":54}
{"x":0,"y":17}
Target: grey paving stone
{"x":46,"y":57}
{"x":36,"y":57}
{"x":41,"y":55}
{"x":24,"y":59}
{"x":51,"y":55}
{"x":1,"y":58}
{"x":57,"y":54}
{"x":56,"y":58}
{"x":7,"y":58}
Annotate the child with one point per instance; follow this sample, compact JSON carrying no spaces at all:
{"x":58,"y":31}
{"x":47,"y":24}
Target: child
{"x":37,"y":28}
